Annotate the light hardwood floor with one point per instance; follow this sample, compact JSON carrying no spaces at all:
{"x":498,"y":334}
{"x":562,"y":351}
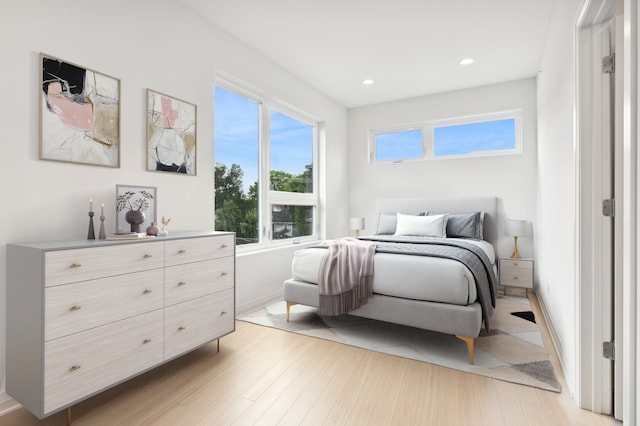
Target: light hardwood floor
{"x":266,"y":376}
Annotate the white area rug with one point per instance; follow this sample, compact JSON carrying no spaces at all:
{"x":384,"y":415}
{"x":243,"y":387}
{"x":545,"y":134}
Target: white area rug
{"x":513,"y":351}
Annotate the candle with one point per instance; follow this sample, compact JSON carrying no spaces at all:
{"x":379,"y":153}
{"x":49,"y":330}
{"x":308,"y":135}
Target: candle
{"x":102,"y":211}
{"x":90,"y":205}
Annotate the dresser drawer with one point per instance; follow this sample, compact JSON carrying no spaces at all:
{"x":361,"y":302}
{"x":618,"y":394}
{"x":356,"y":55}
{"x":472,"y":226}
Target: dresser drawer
{"x":524,"y":265}
{"x":193,"y":323}
{"x":192,"y":280}
{"x":71,"y":308}
{"x":68,"y":266}
{"x":78,"y":365}
{"x":197,"y":249}
{"x":515,"y":278}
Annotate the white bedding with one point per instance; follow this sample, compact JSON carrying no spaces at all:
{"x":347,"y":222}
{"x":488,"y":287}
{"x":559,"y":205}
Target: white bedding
{"x":406,"y":276}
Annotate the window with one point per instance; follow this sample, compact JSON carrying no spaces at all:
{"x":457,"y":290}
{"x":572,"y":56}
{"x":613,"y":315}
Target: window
{"x":265,"y":170}
{"x":484,"y":135}
{"x":399,"y":145}
{"x":477,"y":136}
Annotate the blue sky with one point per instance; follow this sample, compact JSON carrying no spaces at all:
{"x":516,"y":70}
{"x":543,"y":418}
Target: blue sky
{"x":466,"y":138}
{"x":237,"y":137}
{"x":448,"y":140}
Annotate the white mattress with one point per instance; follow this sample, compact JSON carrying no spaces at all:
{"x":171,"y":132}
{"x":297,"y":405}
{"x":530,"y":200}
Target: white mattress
{"x":407,"y":276}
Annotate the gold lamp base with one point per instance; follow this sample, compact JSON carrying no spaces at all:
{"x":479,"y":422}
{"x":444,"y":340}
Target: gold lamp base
{"x":515,"y":254}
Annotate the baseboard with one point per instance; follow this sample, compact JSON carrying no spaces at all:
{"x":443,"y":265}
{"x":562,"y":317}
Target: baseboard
{"x":557,"y":343}
{"x":254,"y":304}
{"x":7,"y":404}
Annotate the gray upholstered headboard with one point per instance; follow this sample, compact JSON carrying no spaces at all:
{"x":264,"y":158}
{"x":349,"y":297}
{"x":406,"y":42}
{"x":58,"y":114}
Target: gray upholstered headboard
{"x":488,"y":205}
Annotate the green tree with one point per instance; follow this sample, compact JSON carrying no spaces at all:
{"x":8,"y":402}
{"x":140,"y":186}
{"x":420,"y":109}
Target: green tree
{"x":287,"y":182}
{"x":238,"y":212}
{"x":235,"y":211}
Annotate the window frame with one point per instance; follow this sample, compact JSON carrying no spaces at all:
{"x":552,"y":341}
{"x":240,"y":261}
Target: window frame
{"x":476,"y":119}
{"x":396,"y":129}
{"x":428,"y":132}
{"x":267,"y":197}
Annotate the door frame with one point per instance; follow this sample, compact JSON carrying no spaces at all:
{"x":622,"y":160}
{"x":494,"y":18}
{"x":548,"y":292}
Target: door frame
{"x":594,"y":251}
{"x":590,"y":392}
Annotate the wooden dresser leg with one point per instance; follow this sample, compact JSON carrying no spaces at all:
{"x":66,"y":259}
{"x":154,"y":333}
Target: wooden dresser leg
{"x":68,"y":416}
{"x":469,"y":341}
{"x":218,"y":345}
{"x":289,"y":305}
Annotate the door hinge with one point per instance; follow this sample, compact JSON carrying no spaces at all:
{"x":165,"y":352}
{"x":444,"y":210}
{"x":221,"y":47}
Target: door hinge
{"x":609,"y":207}
{"x":609,"y":64}
{"x":608,"y":350}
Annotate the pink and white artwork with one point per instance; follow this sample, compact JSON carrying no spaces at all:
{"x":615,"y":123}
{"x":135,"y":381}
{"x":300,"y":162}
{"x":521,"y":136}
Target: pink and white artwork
{"x":80,"y":114}
{"x":171,"y":134}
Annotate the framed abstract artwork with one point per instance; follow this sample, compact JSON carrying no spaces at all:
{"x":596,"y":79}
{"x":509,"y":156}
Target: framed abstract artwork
{"x":135,"y":208}
{"x":171,"y":134}
{"x":79,"y":114}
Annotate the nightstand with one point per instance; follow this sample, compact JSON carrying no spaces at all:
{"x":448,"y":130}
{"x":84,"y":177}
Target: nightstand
{"x":516,"y":273}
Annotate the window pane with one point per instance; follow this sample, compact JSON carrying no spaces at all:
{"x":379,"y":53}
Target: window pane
{"x":399,"y":145}
{"x":291,"y":154}
{"x":497,"y":135}
{"x":291,"y":221}
{"x":236,"y":136}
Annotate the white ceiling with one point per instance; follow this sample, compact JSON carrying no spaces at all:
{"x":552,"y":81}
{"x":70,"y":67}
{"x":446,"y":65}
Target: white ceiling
{"x":409,"y":47}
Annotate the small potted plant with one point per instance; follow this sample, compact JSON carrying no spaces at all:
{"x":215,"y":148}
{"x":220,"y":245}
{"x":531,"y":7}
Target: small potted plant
{"x":163,"y":232}
{"x":136,"y":203}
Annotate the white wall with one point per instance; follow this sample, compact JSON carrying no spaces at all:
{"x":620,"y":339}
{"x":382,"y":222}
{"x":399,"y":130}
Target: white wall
{"x":147,"y":44}
{"x":512,"y":178}
{"x":556,"y":185}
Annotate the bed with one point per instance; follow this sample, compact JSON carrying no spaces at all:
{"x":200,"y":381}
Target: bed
{"x":428,"y":291}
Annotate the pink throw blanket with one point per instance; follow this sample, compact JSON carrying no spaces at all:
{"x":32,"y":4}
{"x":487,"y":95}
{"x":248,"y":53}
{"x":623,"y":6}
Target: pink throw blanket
{"x":345,"y":279}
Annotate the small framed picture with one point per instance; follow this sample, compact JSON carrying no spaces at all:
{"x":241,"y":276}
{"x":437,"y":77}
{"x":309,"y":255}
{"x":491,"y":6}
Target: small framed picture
{"x":135,"y":208}
{"x":171,"y":134}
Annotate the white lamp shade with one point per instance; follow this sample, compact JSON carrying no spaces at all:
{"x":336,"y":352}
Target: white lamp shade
{"x":516,"y":228}
{"x":356,"y":223}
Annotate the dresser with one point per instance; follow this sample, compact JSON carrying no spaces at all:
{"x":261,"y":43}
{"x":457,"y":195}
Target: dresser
{"x":83,"y":316}
{"x":516,"y":272}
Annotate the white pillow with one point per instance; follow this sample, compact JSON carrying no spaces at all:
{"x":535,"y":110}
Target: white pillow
{"x":422,"y":226}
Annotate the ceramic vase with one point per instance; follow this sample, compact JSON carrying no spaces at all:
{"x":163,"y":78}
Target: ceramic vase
{"x":134,"y":218}
{"x":152,"y":229}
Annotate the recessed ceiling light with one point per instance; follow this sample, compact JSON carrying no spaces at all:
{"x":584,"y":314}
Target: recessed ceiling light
{"x":466,"y":61}
{"x":367,"y":82}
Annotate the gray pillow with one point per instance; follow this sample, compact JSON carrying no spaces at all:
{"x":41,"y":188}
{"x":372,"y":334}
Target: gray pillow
{"x":387,"y":224}
{"x":470,"y":225}
{"x":465,"y":225}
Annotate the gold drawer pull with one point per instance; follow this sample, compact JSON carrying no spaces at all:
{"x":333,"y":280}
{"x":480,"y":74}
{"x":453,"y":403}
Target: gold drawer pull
{"x":147,"y":256}
{"x":75,"y":308}
{"x":515,"y":278}
{"x":182,"y":251}
{"x":222,"y":274}
{"x":146,"y":341}
{"x":75,"y":265}
{"x":223,"y":313}
{"x":223,"y":246}
{"x":147,"y":291}
{"x":182,"y":328}
{"x":74,"y":368}
{"x":181,"y":283}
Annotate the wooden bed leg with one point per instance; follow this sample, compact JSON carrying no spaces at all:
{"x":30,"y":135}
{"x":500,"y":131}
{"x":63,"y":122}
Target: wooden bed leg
{"x":469,"y":341}
{"x":289,"y":305}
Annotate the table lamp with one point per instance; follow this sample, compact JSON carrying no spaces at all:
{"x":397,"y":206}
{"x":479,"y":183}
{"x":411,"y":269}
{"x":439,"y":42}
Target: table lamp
{"x":515,"y":229}
{"x":356,"y":224}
